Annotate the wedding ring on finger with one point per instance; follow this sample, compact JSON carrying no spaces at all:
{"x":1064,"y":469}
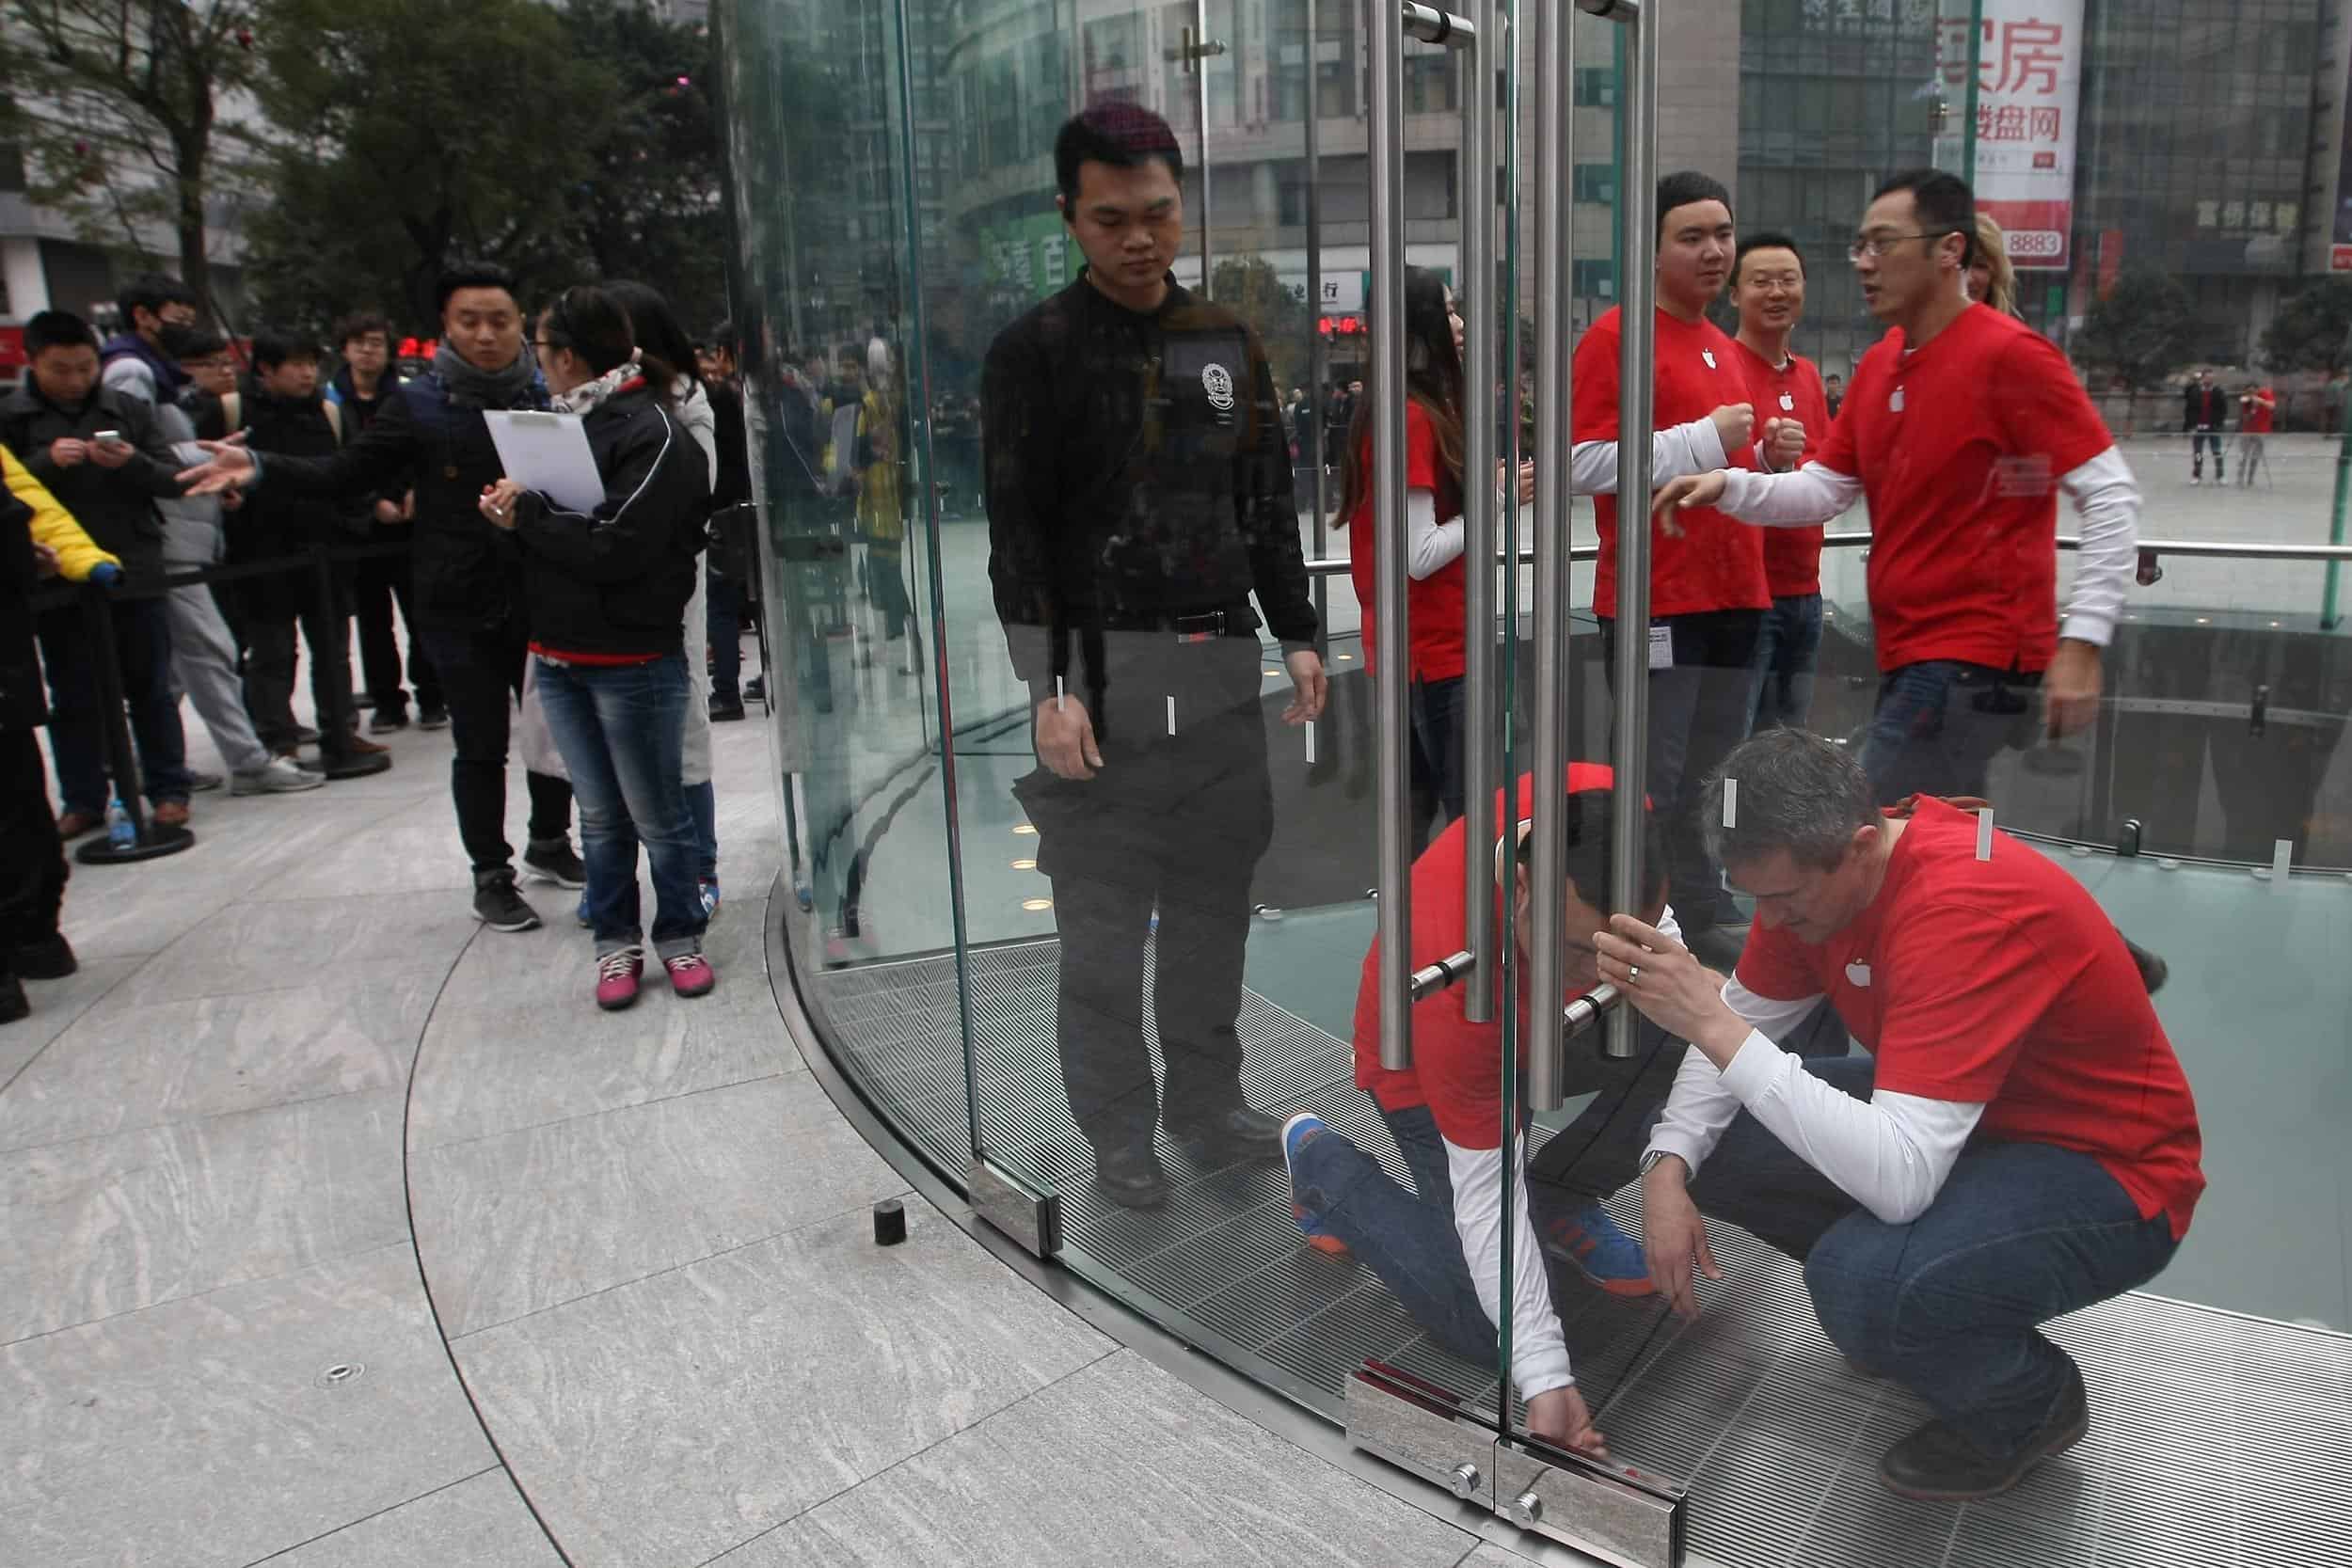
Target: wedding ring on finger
{"x":1632,"y":974}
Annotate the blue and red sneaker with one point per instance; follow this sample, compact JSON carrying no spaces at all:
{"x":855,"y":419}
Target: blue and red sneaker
{"x":1589,"y":1240}
{"x":1296,"y":1134}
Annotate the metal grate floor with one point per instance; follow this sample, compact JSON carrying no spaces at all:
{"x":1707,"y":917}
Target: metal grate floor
{"x":2216,"y":1439}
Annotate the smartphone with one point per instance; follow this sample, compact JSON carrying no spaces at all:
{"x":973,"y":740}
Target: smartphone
{"x":108,"y":438}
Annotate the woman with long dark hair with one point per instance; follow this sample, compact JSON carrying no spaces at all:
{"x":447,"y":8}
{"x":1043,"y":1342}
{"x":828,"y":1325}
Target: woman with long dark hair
{"x":606,"y":591}
{"x":659,"y":334}
{"x":1434,"y":598}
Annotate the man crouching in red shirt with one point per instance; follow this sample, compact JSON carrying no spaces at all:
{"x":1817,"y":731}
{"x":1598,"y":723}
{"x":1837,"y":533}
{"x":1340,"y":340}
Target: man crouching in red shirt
{"x":2020,"y":1144}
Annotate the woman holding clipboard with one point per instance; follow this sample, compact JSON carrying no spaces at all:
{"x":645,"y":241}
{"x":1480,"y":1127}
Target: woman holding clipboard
{"x":607,"y":590}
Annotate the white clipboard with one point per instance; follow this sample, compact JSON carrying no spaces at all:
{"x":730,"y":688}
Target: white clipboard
{"x":550,"y":454}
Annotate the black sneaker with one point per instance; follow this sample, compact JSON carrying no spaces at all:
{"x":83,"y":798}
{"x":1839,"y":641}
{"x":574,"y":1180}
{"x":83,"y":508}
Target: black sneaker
{"x":387,"y":720}
{"x":725,"y":710}
{"x":13,"y":1004}
{"x":1941,"y":1463}
{"x":553,"y":861}
{"x":48,"y":959}
{"x":432,"y":717}
{"x":756,"y":689}
{"x":497,"y":905}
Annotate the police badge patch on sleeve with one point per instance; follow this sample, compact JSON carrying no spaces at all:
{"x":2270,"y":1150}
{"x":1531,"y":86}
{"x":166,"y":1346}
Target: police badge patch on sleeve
{"x":1218,"y":382}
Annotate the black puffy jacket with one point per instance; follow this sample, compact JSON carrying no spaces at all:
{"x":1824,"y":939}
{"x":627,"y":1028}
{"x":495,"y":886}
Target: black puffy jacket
{"x":616,"y":581}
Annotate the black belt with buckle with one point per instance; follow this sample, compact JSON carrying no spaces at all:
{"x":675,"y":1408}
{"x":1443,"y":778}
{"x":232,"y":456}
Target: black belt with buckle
{"x":1199,"y":628}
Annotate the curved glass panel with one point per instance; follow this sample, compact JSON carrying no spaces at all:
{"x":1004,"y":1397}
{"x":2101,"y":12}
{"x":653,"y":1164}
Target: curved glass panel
{"x":994,"y":490}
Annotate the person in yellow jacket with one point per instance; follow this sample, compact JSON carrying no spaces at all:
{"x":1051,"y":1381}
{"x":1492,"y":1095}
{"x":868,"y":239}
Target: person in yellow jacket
{"x":38,"y":538}
{"x":881,"y":515}
{"x":78,"y":557}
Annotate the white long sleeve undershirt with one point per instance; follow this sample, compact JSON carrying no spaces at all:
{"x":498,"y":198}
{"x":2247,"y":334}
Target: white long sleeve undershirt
{"x":1430,"y":544}
{"x":2105,"y":494}
{"x":1889,"y":1153}
{"x":1686,"y":449}
{"x":1540,"y":1347}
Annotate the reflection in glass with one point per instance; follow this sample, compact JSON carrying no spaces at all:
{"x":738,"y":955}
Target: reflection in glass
{"x":1139,"y":493}
{"x":2215,"y":731}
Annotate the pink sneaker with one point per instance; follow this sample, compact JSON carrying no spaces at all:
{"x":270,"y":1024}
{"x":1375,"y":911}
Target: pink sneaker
{"x":617,"y":977}
{"x":690,"y":974}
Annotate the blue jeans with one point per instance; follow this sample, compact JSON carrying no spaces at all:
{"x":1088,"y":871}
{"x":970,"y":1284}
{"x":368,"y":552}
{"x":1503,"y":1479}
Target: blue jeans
{"x":1787,"y":649}
{"x":1950,"y":1305}
{"x":1408,"y":1239}
{"x":1940,"y":723}
{"x":1439,"y":746}
{"x":621,"y":729}
{"x":2198,"y":442}
{"x":702,"y":799}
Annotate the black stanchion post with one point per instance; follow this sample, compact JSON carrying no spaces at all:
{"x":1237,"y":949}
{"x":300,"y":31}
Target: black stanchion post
{"x":750,"y":523}
{"x":151,"y":840}
{"x":336,"y":756}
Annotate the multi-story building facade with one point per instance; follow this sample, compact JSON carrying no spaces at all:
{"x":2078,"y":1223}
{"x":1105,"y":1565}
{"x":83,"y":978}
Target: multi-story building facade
{"x":2206,"y":144}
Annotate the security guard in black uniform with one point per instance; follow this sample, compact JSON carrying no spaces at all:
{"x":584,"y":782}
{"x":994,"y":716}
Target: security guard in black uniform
{"x":1138,"y":491}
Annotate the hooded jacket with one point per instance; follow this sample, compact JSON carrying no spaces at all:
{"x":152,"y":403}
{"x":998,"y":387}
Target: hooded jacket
{"x":137,"y":367}
{"x":611,"y":586}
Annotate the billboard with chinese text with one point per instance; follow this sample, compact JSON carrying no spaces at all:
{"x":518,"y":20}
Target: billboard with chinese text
{"x":2028,"y":93}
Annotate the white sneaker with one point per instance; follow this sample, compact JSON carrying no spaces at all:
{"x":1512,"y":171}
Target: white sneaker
{"x":279,"y":776}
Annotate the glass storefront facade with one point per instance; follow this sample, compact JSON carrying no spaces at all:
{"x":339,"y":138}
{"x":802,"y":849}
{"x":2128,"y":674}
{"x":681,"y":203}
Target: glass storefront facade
{"x":1001,"y":998}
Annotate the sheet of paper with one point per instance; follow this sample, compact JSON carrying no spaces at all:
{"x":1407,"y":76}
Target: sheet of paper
{"x":548,"y":452}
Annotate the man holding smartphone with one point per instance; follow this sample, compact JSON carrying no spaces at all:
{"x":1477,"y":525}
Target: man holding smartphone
{"x":103,"y":457}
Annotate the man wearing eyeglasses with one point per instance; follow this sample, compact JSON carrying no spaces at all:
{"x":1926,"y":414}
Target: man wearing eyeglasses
{"x":1767,"y":291}
{"x":1962,"y":428}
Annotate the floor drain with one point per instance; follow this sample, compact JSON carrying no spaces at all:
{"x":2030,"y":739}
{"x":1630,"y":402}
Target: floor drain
{"x":341,"y":1372}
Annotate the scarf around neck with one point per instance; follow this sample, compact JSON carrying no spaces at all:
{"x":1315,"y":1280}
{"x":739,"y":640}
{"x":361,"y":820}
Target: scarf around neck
{"x":470,"y":387}
{"x":591,"y":394}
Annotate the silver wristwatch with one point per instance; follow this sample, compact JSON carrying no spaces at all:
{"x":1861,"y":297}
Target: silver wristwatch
{"x":1653,"y":1157}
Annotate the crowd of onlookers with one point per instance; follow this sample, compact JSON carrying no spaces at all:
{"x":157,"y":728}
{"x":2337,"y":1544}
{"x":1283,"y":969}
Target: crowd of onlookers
{"x":239,"y":510}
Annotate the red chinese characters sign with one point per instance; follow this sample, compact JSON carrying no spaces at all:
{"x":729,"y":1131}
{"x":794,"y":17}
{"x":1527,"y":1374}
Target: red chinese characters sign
{"x":2028,"y":82}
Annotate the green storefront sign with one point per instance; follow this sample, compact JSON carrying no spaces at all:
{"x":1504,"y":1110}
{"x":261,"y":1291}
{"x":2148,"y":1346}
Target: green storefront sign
{"x":1032,"y":255}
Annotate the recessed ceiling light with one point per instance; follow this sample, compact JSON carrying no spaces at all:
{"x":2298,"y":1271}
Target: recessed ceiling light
{"x":1036,"y":903}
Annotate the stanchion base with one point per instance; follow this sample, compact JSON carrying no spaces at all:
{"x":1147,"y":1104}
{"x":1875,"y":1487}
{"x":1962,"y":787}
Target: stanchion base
{"x":159,"y":842}
{"x":359,"y":766}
